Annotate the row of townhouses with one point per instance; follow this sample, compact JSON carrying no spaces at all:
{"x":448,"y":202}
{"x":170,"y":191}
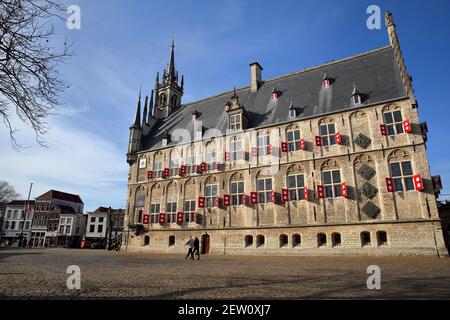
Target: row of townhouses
{"x":56,"y":219}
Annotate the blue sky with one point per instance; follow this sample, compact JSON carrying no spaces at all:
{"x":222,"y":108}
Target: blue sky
{"x":122,"y":44}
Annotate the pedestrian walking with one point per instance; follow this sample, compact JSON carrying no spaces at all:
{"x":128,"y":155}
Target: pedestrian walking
{"x":190,"y":245}
{"x":196,"y":248}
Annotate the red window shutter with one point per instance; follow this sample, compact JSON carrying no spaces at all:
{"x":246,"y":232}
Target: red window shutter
{"x":145,"y":220}
{"x":320,"y":192}
{"x":215,"y":166}
{"x":203,"y":167}
{"x":285,"y":195}
{"x":166,"y":172}
{"x":253,"y":197}
{"x":390,"y":184}
{"x":180,"y":217}
{"x":254,"y":151}
{"x":195,"y":216}
{"x":318,"y":141}
{"x":272,"y":196}
{"x":274,"y":95}
{"x":269,"y":149}
{"x":227,"y":156}
{"x":418,"y":184}
{"x":305,"y":193}
{"x":149,"y":175}
{"x":344,"y":189}
{"x":226,"y":200}
{"x":244,"y":199}
{"x":201,"y":202}
{"x":183,"y":170}
{"x":302,"y":144}
{"x":338,"y":138}
{"x":242,"y":155}
{"x":383,"y":129}
{"x":407,"y":126}
{"x":284,"y":147}
{"x":218,"y":202}
{"x":162,"y":218}
{"x":326,"y":83}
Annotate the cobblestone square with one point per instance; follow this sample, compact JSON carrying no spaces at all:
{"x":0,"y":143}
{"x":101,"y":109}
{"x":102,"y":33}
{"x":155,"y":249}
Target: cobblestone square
{"x":41,"y":274}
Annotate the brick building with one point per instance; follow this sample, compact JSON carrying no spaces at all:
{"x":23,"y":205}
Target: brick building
{"x":329,"y":160}
{"x":48,"y":208}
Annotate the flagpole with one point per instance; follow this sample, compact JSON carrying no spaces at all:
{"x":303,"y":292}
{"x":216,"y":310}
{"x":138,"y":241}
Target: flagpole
{"x":27,"y":209}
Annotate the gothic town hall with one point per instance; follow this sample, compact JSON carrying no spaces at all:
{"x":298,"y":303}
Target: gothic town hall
{"x":330,"y":160}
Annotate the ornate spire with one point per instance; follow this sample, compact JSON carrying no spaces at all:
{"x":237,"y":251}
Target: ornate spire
{"x":171,"y":67}
{"x":144,"y":114}
{"x":182,"y":82}
{"x":150,"y":109}
{"x":355,"y":91}
{"x":137,"y":118}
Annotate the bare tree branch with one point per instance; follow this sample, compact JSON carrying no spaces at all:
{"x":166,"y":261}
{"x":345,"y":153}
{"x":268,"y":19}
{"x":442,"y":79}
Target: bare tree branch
{"x":7,"y":192}
{"x":29,"y":80}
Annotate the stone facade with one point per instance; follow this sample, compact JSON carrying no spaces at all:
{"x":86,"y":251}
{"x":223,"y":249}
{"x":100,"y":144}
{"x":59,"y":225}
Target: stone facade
{"x":358,"y":215}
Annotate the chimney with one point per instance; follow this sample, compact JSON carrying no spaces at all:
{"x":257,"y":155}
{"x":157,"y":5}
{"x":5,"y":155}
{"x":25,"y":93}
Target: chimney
{"x":255,"y":73}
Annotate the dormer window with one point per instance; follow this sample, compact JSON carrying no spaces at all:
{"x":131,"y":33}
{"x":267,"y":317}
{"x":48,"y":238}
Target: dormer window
{"x":325,"y":81}
{"x":235,"y":122}
{"x":195,"y":115}
{"x":356,"y":99}
{"x":356,"y":96}
{"x":292,"y":111}
{"x":227,"y":106}
{"x":274,"y":93}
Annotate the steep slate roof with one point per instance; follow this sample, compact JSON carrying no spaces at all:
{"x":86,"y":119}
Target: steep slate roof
{"x":20,"y":203}
{"x":376,"y":74}
{"x":54,"y":194}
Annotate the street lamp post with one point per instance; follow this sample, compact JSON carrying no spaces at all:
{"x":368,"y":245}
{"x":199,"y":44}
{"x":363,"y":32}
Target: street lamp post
{"x":24,"y":216}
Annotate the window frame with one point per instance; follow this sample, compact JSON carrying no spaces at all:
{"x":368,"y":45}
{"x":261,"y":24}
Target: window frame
{"x":171,"y":212}
{"x":328,"y":139}
{"x":263,"y":143}
{"x":157,"y":169}
{"x":155,"y":210}
{"x":406,"y":181}
{"x":333,"y":186}
{"x":235,"y":152}
{"x":298,"y":191}
{"x":236,"y":197}
{"x":265,"y":193}
{"x":394,"y":127}
{"x":293,"y":142}
{"x":189,"y":214}
{"x":235,"y":122}
{"x":210,"y":199}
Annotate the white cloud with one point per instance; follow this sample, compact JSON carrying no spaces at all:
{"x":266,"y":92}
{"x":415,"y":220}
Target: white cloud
{"x":76,"y":161}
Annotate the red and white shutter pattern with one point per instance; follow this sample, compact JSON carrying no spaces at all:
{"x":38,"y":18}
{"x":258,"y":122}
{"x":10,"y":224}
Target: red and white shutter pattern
{"x":390,"y":185}
{"x":318,"y":141}
{"x":344,"y":189}
{"x":253,"y":197}
{"x":406,"y":126}
{"x":383,"y":129}
{"x":320,"y":192}
{"x":180,"y":216}
{"x":338,"y":138}
{"x":285,"y":195}
{"x":418,"y":184}
{"x":201,"y":202}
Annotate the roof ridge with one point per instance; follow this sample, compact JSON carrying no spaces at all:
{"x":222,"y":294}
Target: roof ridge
{"x":293,"y":74}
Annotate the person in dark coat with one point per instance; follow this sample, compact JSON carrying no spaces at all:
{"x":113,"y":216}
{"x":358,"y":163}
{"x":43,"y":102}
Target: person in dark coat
{"x":190,"y":246}
{"x":197,"y":248}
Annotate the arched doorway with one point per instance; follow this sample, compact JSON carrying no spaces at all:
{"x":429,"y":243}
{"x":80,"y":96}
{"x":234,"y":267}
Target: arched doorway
{"x":205,"y":243}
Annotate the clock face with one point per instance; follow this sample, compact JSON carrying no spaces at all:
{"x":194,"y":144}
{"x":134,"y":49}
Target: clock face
{"x":142,"y":163}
